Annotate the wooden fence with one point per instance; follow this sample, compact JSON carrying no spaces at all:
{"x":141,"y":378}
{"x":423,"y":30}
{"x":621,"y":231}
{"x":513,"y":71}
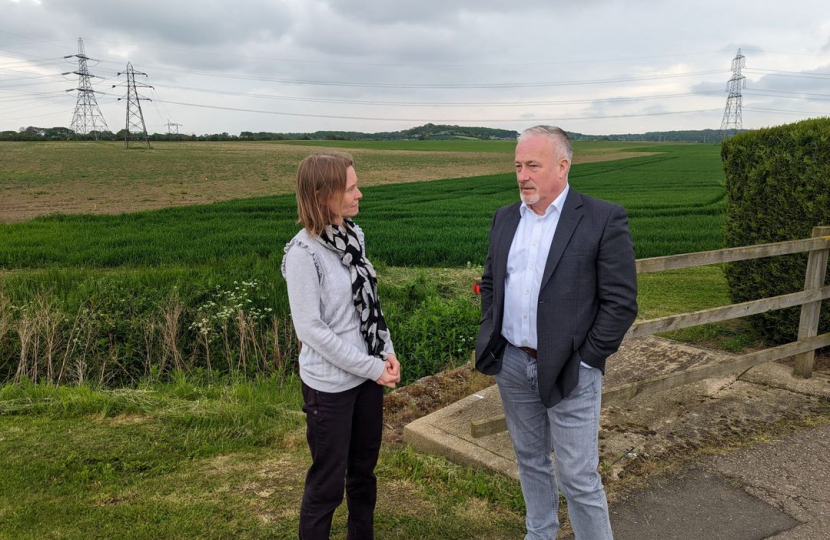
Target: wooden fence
{"x":803,"y":349}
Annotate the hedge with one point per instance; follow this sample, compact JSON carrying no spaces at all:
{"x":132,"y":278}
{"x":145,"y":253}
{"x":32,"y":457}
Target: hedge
{"x":778,"y":184}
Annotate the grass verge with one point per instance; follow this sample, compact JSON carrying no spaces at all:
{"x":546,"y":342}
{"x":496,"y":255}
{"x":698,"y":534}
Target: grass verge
{"x":195,"y":460}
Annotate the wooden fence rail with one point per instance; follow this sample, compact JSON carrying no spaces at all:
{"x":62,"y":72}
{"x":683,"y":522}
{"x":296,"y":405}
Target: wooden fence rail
{"x":803,"y":349}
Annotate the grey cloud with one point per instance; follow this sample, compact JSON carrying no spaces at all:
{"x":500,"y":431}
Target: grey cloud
{"x":184,"y":22}
{"x":442,"y":12}
{"x":21,"y":20}
{"x":795,"y":84}
{"x":332,"y":34}
{"x":430,"y":42}
{"x":654,"y":108}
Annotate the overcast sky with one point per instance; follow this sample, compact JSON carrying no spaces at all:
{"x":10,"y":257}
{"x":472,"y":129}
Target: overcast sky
{"x":591,"y":66}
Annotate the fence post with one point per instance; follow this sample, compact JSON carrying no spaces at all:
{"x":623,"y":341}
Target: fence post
{"x":808,"y":324}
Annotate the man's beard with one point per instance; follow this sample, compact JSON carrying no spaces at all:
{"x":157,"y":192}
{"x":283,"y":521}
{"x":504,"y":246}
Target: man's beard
{"x":529,"y":199}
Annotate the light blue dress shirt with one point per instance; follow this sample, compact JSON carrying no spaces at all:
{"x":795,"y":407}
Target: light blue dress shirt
{"x":525,"y":266}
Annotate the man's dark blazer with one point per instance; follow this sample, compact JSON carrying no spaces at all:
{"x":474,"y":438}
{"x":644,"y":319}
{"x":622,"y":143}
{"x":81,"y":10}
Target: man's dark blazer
{"x":587,"y":299}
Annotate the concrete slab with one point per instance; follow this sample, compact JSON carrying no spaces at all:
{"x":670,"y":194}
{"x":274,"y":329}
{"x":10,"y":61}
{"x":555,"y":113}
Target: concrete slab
{"x":780,"y":376}
{"x":446,"y":432}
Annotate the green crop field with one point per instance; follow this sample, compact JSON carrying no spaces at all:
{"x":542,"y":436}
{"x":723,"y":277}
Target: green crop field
{"x":675,"y":200}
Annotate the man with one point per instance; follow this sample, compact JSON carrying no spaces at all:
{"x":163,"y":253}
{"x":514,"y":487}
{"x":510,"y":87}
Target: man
{"x":558,"y":293}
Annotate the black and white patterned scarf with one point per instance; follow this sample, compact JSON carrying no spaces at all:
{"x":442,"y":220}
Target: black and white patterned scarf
{"x":343,"y":241}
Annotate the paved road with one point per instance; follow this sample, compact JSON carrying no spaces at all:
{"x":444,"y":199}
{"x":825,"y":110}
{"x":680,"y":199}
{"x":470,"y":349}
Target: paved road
{"x":779,"y":490}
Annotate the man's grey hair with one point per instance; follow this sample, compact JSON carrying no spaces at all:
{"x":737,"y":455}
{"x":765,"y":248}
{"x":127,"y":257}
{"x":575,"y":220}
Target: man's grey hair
{"x":555,"y":135}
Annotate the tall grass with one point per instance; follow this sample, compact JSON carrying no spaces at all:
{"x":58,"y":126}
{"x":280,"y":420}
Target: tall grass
{"x":121,"y":327}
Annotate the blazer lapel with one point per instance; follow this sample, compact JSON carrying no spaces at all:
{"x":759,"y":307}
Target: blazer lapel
{"x":506,"y":234}
{"x":571,"y":214}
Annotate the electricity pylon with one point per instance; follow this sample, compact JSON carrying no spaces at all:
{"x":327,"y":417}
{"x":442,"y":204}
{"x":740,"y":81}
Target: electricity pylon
{"x":87,"y":117}
{"x":732,"y":119}
{"x":135,"y":129}
{"x":170,"y":127}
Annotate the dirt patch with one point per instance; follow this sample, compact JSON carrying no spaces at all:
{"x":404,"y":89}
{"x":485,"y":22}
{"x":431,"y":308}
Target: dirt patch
{"x":427,"y":395}
{"x":399,"y":497}
{"x":267,"y":474}
{"x":225,"y":465}
{"x":128,"y":419}
{"x":66,"y":178}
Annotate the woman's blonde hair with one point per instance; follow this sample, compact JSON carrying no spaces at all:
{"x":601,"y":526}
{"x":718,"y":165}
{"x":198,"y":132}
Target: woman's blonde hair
{"x":321,"y":178}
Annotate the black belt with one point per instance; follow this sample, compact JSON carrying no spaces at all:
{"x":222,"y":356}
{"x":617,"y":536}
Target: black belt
{"x":528,"y":351}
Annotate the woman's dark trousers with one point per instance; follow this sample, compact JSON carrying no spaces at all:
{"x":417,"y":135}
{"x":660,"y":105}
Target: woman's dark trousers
{"x":344,"y":432}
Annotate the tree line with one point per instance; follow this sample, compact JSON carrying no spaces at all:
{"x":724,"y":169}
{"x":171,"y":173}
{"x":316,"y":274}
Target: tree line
{"x":425,"y":132}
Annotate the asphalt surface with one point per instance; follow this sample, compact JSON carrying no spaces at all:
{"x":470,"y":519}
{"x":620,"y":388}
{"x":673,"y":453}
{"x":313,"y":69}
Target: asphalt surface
{"x":778,"y":491}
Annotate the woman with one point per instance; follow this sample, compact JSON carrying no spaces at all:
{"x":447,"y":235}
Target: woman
{"x":347,"y":355}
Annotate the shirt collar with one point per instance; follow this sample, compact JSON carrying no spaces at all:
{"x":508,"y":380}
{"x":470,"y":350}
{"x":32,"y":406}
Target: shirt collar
{"x":557,"y":204}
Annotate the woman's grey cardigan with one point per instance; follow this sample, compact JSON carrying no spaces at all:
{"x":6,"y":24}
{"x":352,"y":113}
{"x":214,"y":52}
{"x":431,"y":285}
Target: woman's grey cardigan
{"x":334,"y":354}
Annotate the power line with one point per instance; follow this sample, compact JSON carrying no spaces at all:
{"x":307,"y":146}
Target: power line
{"x":782,"y":111}
{"x":24,"y":63}
{"x":40,"y":61}
{"x":18,"y":107}
{"x":27,"y":54}
{"x":809,"y":97}
{"x":793,"y":92}
{"x":446,"y":86}
{"x":26,"y":84}
{"x":29,"y":75}
{"x":31,"y":41}
{"x":282,"y":113}
{"x":18,"y":93}
{"x":384,"y":64}
{"x":509,"y":85}
{"x":439,"y":103}
{"x":37,"y":116}
{"x":783,"y":73}
{"x":412,"y":64}
{"x":425,"y":103}
{"x":163,"y":106}
{"x":764,"y":51}
{"x":436,"y":85}
{"x":22,"y":102}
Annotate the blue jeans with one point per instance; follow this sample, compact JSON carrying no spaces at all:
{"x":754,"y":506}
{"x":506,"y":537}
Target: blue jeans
{"x":570,"y":428}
